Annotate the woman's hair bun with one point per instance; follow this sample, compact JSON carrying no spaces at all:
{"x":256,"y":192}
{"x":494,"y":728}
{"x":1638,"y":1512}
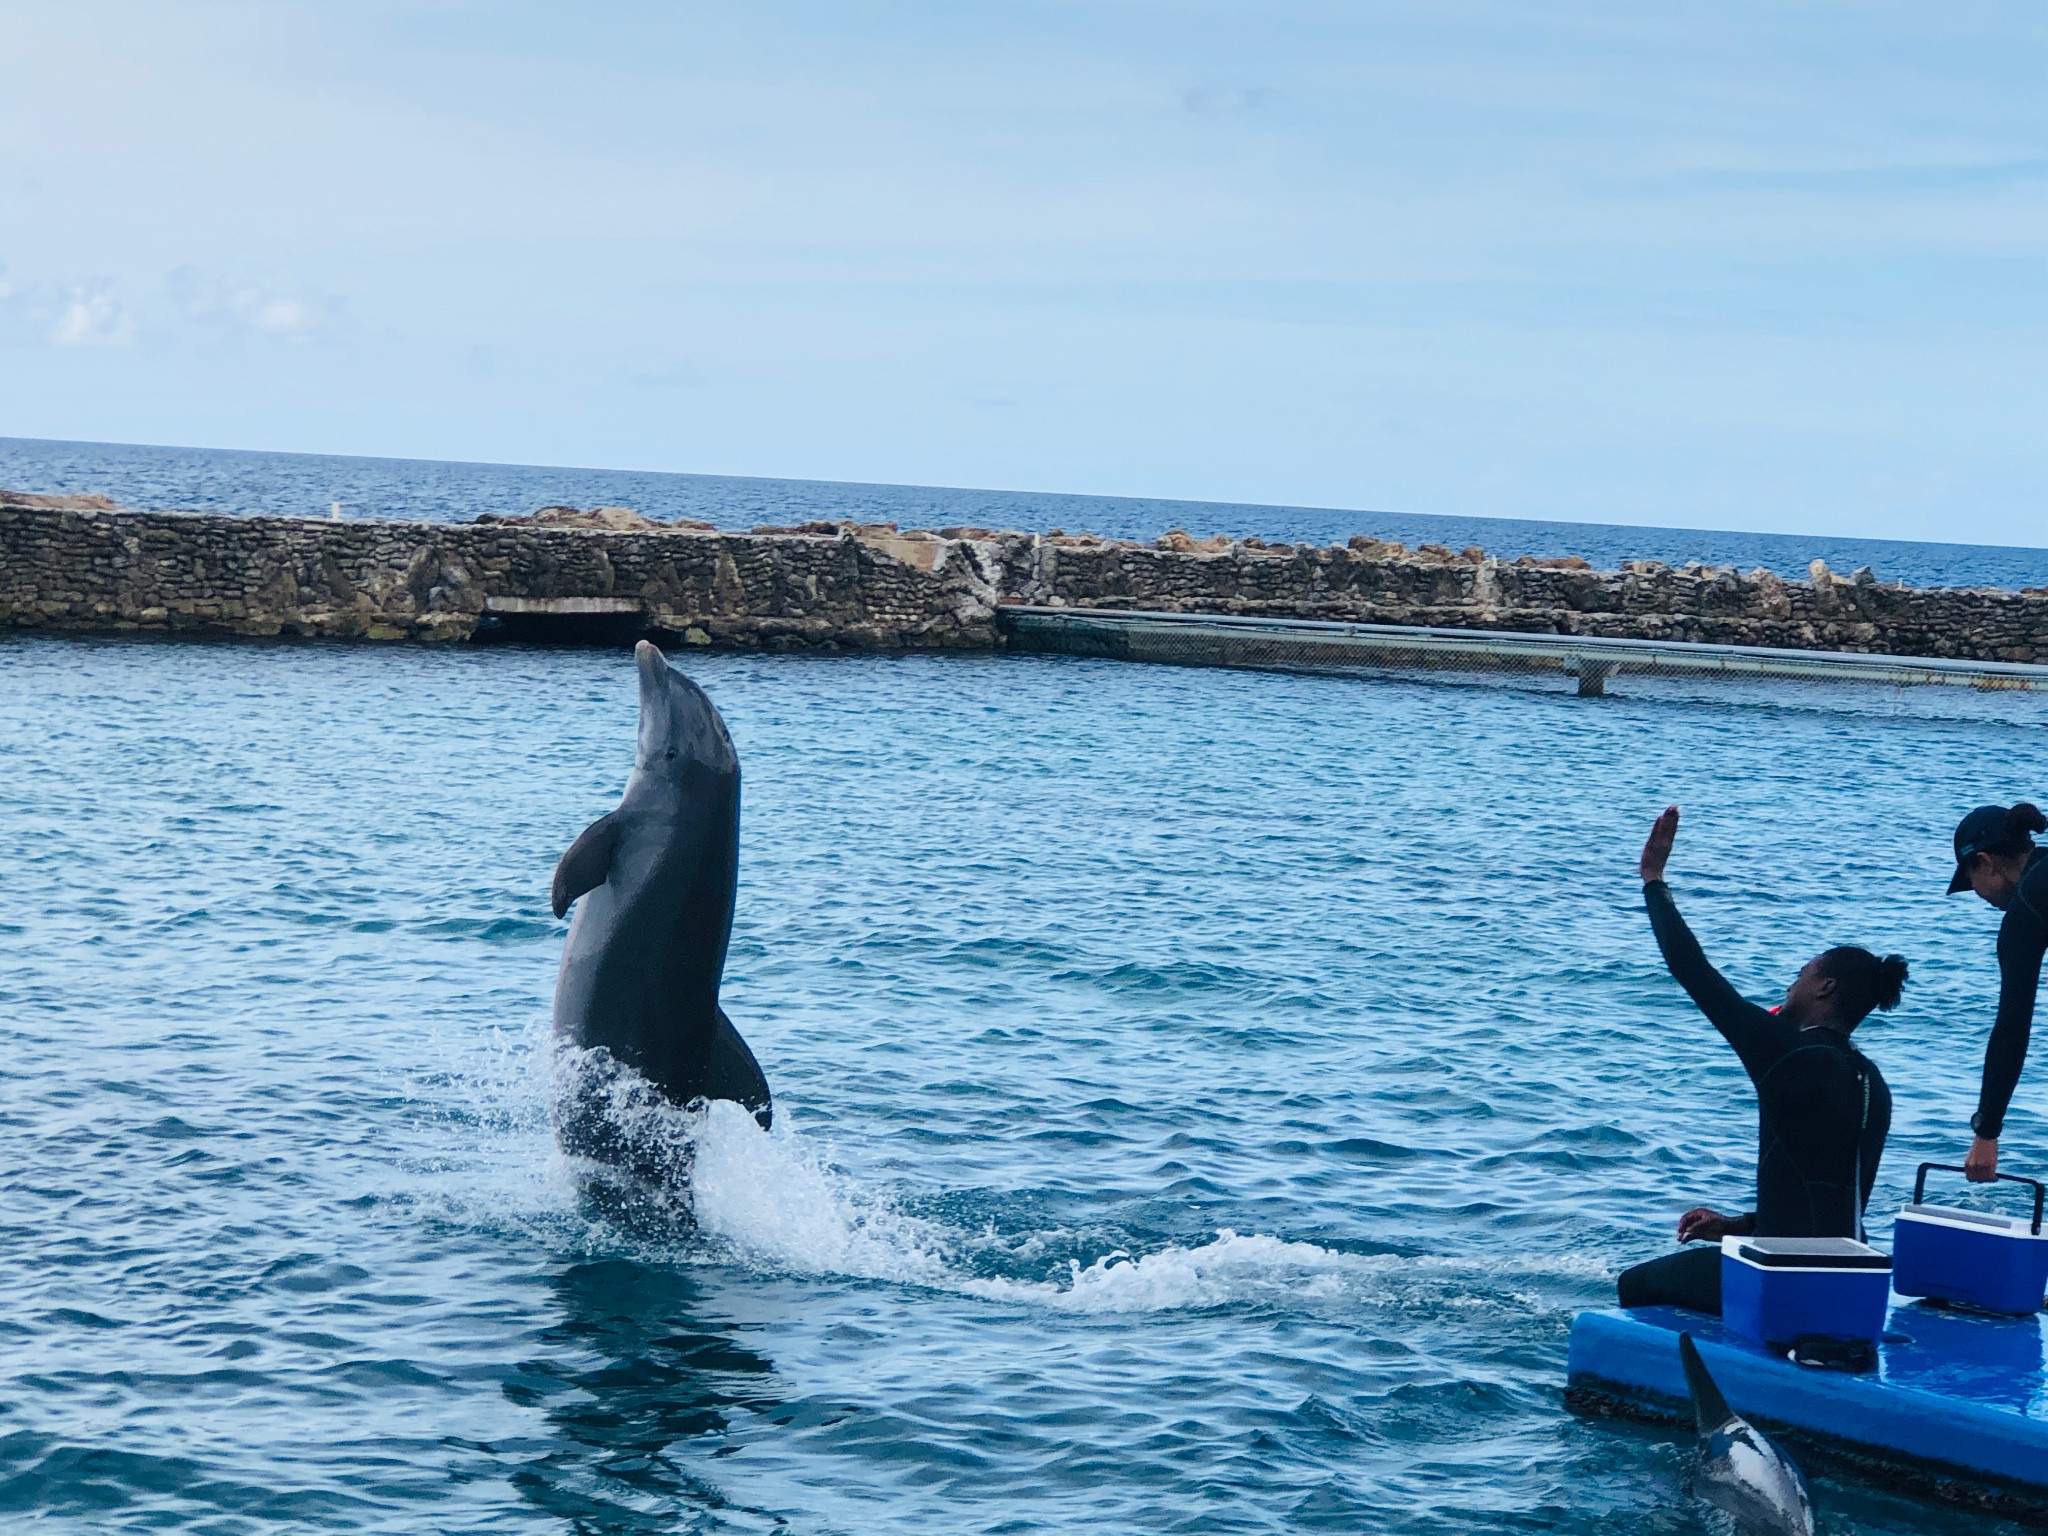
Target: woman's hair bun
{"x":1863,"y":981}
{"x":1891,"y":976}
{"x":2024,"y":818}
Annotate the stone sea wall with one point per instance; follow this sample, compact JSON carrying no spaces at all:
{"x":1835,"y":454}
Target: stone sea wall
{"x":78,"y":563}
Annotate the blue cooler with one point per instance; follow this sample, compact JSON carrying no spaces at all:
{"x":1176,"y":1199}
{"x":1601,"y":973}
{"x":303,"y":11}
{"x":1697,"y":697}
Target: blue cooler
{"x":1777,"y":1289}
{"x":1998,"y":1263}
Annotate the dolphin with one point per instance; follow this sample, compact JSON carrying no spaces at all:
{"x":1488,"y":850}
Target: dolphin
{"x":652,"y":883}
{"x":1737,"y":1468}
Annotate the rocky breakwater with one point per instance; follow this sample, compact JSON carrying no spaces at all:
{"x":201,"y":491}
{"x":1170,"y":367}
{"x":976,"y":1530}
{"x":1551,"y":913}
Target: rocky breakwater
{"x":1373,"y":581}
{"x":78,"y":563}
{"x":81,"y":563}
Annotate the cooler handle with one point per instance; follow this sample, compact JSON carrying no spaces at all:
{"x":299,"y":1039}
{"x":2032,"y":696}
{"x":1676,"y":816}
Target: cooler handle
{"x":2040,"y":1190}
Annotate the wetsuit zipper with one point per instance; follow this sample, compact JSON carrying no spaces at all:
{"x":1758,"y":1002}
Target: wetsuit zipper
{"x":1862,"y":1130}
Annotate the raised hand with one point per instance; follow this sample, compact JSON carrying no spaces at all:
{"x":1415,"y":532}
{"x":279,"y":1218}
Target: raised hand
{"x":1657,"y":851}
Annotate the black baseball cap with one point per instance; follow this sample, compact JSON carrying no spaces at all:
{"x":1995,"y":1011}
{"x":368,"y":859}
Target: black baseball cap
{"x":1984,"y":830}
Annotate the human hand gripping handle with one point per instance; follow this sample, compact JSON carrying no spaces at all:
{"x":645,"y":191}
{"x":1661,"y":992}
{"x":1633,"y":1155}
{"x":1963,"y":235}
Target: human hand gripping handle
{"x":1657,"y":851}
{"x":1981,"y":1166}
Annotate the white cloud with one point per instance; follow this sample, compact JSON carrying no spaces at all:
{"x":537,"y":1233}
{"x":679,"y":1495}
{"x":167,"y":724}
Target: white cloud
{"x":680,"y":374}
{"x":62,"y":311}
{"x":1212,"y":100}
{"x":92,"y":317}
{"x":238,"y":304}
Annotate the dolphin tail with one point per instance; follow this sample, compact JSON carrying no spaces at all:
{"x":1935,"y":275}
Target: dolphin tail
{"x":1708,"y":1405}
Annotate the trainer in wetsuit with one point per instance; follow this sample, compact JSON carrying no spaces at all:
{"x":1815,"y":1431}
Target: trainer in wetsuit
{"x":1996,"y":858}
{"x":1822,"y":1106}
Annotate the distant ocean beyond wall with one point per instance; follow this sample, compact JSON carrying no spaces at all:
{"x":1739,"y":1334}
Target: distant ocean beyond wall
{"x":79,"y":563}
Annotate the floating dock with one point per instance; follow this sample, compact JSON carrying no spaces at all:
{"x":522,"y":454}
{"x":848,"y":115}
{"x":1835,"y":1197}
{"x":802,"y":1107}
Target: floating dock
{"x":1214,"y":640}
{"x":1957,"y":1408}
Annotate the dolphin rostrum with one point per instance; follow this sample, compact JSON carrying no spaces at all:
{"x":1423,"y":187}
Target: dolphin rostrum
{"x":1737,"y":1468}
{"x":653,"y":883}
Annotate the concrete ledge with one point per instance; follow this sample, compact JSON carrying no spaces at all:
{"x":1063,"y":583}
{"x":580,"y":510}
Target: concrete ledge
{"x":1237,"y":641}
{"x":570,"y":607}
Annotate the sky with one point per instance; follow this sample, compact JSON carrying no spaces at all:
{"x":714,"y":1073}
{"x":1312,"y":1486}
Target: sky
{"x":1765,"y":264}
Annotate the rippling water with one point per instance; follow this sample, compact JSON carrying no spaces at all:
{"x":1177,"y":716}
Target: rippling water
{"x":308,"y":484}
{"x":1205,"y":1097}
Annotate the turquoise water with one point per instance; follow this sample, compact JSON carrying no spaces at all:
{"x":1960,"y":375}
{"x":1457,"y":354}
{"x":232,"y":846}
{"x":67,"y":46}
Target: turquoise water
{"x":1204,"y":1097}
{"x":308,"y":484}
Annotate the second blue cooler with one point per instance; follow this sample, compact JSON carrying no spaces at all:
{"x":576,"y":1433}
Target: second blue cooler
{"x":1976,"y":1258}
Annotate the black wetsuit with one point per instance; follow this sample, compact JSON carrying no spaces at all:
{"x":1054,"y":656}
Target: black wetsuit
{"x":2022,"y":940}
{"x":1822,"y":1113}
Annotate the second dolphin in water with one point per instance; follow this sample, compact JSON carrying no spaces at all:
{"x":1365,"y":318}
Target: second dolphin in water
{"x":1737,"y":1468}
{"x":653,"y":883}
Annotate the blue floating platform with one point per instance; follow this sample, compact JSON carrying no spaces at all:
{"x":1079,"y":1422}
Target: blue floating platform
{"x":1957,"y":1407}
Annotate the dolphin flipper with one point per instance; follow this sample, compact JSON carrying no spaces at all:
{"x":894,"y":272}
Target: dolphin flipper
{"x":730,"y":1072}
{"x":587,"y":863}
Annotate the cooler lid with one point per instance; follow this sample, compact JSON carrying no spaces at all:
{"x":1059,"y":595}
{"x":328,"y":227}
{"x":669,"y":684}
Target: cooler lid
{"x":1810,"y":1253}
{"x":1990,"y":1221}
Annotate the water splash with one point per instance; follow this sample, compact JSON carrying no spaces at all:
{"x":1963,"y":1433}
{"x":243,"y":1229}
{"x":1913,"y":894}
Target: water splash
{"x":771,"y":1199}
{"x":1229,"y":1270}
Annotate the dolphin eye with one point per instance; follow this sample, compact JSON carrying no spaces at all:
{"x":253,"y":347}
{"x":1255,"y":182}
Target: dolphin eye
{"x":671,"y":754}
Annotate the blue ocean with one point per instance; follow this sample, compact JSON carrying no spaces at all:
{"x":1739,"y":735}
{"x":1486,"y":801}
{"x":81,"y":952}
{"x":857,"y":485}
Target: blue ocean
{"x":1204,"y":1097}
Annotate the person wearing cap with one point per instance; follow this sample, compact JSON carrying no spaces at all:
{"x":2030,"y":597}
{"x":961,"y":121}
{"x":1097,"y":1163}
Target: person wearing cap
{"x":1996,"y":857}
{"x":1823,"y":1109}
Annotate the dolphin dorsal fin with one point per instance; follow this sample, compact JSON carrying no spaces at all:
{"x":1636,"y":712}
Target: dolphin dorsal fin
{"x":1709,"y":1407}
{"x":587,"y":864}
